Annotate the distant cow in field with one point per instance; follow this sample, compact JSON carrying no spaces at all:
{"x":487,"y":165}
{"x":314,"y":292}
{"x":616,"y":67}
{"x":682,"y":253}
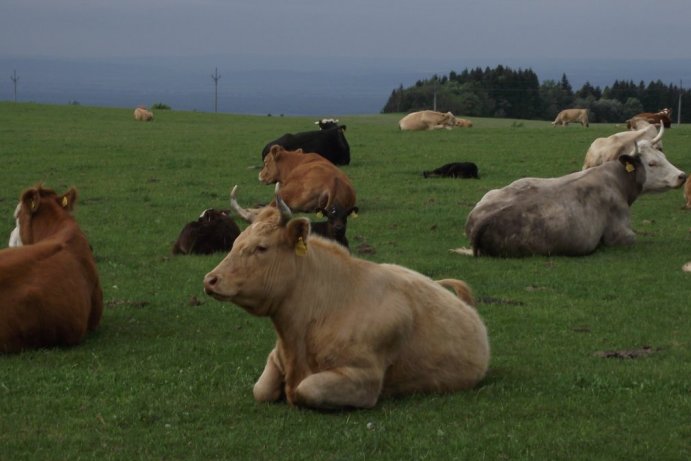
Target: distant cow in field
{"x":655,"y":118}
{"x":454,"y":170}
{"x":329,"y":142}
{"x":213,"y":231}
{"x":610,"y":148}
{"x":427,"y":120}
{"x":567,"y":116}
{"x":329,"y":123}
{"x":334,"y":228}
{"x":50,"y":294}
{"x":349,"y":331}
{"x":143,"y":115}
{"x":308,"y":181}
{"x":463,"y":123}
{"x":570,"y":215}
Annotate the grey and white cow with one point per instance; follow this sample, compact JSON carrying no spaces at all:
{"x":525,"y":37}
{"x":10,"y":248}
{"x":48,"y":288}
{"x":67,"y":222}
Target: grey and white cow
{"x":569,"y":215}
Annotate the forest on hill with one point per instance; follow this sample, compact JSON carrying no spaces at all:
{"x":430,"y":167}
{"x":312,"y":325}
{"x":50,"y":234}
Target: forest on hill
{"x":507,"y":93}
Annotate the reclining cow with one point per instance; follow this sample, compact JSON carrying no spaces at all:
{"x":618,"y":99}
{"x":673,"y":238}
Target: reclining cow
{"x":567,"y":116}
{"x":610,"y":148}
{"x":306,"y":179}
{"x":349,"y":330}
{"x":570,"y":215}
{"x":454,"y":170}
{"x":426,"y":120}
{"x":143,"y":115}
{"x":329,"y":142}
{"x":654,"y":118}
{"x":50,"y":294}
{"x":213,"y":231}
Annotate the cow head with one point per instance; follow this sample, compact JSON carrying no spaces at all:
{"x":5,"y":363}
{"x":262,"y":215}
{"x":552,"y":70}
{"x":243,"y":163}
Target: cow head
{"x":271,"y":171}
{"x":328,"y":123}
{"x":263,"y":264}
{"x":36,"y":209}
{"x":661,"y":175}
{"x":337,"y":216}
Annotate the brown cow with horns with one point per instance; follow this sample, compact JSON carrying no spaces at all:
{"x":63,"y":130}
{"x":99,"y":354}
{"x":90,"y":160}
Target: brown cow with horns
{"x":349,"y":330}
{"x":50,"y":294}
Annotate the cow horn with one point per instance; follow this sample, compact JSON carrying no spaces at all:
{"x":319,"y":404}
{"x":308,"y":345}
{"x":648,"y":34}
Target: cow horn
{"x":286,"y":214}
{"x":244,"y":214}
{"x":657,"y":138}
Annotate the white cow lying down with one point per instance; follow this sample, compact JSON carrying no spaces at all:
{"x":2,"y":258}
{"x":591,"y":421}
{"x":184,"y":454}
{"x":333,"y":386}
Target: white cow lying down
{"x":569,"y":215}
{"x":427,"y":120}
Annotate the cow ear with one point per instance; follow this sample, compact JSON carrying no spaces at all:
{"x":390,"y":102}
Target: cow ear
{"x":31,"y":200}
{"x":629,"y":162}
{"x":68,"y":199}
{"x":297,"y":232}
{"x":275,"y":149}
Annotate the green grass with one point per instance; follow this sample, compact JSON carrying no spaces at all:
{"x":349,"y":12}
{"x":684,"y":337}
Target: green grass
{"x":164,"y":378}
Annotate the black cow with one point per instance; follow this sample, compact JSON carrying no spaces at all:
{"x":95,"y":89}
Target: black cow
{"x":329,"y":142}
{"x":213,"y":231}
{"x":334,"y":227}
{"x":454,"y":170}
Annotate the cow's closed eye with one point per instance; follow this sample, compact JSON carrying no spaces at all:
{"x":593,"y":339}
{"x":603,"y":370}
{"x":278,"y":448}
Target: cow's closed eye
{"x":260,"y":249}
{"x":652,"y":163}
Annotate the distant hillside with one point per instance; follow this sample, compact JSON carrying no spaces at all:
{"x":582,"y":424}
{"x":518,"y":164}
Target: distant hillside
{"x":289,"y":85}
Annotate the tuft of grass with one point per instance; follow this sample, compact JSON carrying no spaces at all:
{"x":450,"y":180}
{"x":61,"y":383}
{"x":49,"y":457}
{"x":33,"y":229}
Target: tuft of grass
{"x":165,"y":377}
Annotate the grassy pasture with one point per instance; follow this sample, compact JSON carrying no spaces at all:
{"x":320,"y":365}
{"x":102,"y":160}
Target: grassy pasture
{"x":169,"y":373}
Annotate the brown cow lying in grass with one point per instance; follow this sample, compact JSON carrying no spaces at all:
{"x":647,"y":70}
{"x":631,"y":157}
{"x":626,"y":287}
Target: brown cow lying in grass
{"x":50,"y":293}
{"x":349,"y":330}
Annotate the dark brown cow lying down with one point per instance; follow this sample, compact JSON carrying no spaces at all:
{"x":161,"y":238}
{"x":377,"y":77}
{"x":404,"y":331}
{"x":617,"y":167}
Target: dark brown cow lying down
{"x":569,"y":215}
{"x":50,"y":293}
{"x":213,"y":231}
{"x":349,"y":330}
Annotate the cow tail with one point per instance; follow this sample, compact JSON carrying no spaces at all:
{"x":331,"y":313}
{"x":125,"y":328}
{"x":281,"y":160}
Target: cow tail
{"x":461,"y":289}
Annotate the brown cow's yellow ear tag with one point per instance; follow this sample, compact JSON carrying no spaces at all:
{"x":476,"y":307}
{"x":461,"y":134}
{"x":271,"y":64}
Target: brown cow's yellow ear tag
{"x":629,"y":167}
{"x":300,"y":247}
{"x":320,"y":214}
{"x":34,"y":205}
{"x":354,"y":214}
{"x":64,"y":202}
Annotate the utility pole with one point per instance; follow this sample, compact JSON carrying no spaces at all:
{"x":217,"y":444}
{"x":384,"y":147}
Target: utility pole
{"x":15,"y":79}
{"x":216,"y":78}
{"x":681,"y":90}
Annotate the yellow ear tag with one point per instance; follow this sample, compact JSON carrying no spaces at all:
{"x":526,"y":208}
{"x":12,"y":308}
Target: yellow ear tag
{"x":300,"y":247}
{"x":320,"y":214}
{"x":34,"y":206}
{"x":629,"y":167}
{"x":354,"y":214}
{"x":64,"y":202}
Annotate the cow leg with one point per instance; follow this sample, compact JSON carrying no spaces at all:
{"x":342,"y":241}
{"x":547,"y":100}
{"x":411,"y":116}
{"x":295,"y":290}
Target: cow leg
{"x":619,"y":235}
{"x":269,"y":386}
{"x":340,"y":387}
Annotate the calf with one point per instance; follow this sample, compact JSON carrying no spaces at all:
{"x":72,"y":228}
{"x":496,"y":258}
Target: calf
{"x":213,"y":231}
{"x":50,"y":294}
{"x":454,"y":170}
{"x":349,"y":331}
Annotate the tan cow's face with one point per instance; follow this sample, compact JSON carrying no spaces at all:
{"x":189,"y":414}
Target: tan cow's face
{"x":269,"y":173}
{"x":260,"y":269}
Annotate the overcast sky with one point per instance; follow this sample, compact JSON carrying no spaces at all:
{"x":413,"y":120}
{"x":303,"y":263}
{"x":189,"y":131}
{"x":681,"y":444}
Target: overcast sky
{"x":456,"y":29}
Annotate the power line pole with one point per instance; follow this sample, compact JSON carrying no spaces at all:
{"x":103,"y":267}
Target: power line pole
{"x":15,"y":79}
{"x":216,"y":78}
{"x":681,"y":90}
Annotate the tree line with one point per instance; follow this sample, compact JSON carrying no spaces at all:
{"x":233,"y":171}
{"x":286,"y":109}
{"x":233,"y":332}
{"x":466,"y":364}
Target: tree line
{"x":507,"y":93}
